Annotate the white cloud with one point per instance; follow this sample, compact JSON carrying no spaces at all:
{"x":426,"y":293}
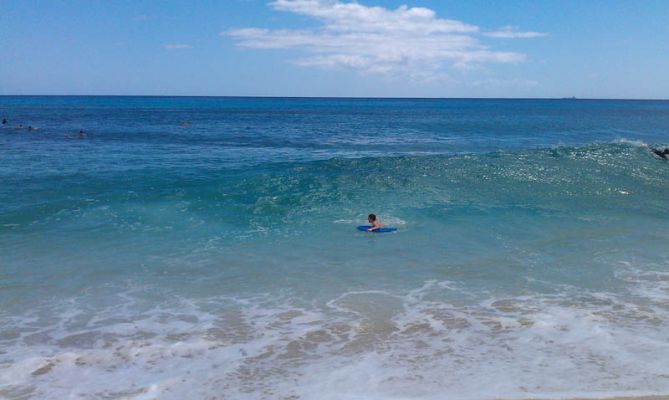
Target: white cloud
{"x":407,"y":41}
{"x":511,"y":32}
{"x":354,"y":17}
{"x":177,"y":46}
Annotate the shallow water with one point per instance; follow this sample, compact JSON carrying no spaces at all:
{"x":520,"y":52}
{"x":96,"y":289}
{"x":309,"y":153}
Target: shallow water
{"x":220,"y":259}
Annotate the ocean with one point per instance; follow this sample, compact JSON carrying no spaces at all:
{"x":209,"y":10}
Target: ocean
{"x":206,"y":248}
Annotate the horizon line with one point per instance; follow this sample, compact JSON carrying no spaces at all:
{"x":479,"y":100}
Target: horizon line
{"x":338,"y":97}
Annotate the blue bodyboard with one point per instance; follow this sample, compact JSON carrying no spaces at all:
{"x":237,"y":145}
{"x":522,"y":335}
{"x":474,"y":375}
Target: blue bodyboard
{"x":380,"y":230}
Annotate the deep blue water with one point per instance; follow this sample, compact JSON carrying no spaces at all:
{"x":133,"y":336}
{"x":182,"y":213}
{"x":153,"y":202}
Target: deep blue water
{"x":206,"y":247}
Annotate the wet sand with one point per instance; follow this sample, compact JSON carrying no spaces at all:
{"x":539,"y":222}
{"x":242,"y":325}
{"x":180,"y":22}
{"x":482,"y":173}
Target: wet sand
{"x":616,"y":398}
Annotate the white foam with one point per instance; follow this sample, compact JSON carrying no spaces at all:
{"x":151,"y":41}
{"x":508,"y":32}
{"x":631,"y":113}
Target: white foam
{"x":357,"y":345}
{"x":632,"y":142}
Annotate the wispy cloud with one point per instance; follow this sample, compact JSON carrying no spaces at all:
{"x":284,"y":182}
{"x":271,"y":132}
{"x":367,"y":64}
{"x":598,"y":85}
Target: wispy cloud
{"x":511,"y":32}
{"x":506,"y":83}
{"x":407,"y":41}
{"x":177,"y":46}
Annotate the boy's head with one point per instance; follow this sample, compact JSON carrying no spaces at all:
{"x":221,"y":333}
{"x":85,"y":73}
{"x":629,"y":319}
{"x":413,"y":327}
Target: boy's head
{"x":371,"y":218}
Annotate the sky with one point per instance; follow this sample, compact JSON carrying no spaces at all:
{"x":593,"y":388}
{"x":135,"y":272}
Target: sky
{"x":339,"y":48}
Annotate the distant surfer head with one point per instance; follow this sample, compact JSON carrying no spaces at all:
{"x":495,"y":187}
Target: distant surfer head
{"x":662,"y":153}
{"x":371,"y":218}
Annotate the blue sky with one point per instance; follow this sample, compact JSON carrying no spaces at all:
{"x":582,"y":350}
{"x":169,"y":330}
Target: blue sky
{"x":387,"y":48}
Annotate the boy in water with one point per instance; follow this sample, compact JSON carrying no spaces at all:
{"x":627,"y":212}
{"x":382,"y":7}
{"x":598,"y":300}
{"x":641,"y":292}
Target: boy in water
{"x":375,"y":223}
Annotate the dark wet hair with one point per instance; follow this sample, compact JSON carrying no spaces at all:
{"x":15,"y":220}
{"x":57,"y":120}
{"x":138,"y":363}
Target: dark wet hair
{"x":372,"y":217}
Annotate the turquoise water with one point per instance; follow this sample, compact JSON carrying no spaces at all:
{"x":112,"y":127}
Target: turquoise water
{"x":219,"y":258}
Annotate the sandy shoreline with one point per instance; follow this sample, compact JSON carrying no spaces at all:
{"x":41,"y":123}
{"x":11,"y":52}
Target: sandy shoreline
{"x":615,"y":398}
{"x":636,"y":398}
